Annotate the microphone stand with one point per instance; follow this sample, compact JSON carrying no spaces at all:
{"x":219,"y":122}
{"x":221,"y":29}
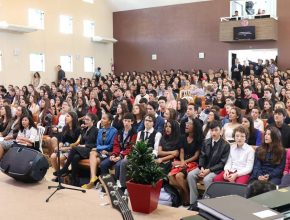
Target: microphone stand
{"x":60,"y":186}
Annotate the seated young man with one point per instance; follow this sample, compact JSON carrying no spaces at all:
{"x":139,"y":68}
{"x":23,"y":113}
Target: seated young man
{"x":123,"y":143}
{"x":152,"y":108}
{"x":214,"y":154}
{"x":104,"y":147}
{"x":241,"y":160}
{"x":148,"y":134}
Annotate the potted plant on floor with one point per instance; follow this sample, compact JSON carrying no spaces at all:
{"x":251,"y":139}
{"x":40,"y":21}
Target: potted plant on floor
{"x":145,"y":178}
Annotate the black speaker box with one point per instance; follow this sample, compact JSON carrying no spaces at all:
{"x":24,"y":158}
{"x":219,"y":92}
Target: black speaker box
{"x":24,"y":164}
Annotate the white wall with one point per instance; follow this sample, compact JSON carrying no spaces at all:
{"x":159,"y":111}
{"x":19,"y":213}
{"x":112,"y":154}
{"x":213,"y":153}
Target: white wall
{"x":15,"y":68}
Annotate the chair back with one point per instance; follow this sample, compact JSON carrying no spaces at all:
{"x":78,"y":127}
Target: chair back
{"x":217,"y":189}
{"x":41,"y":131}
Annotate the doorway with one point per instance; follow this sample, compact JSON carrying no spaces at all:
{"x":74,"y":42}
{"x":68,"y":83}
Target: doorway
{"x":252,"y":55}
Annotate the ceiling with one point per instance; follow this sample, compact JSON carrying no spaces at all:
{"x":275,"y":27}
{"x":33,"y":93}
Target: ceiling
{"x":124,"y":5}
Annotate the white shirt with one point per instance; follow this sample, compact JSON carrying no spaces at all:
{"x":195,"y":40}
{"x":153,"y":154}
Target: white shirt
{"x":31,"y":134}
{"x":228,"y":132}
{"x":157,"y":139}
{"x":138,"y":98}
{"x":241,"y":159}
{"x":61,"y":122}
{"x":259,"y":124}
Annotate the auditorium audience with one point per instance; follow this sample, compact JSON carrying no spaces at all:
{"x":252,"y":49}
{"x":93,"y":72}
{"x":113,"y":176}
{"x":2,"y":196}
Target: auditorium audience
{"x":255,"y":87}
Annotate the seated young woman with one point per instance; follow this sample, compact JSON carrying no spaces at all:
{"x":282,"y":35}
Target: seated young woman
{"x":270,"y":158}
{"x":27,"y":135}
{"x":139,"y":112}
{"x":104,"y":147}
{"x":212,"y":115}
{"x":168,"y":146}
{"x":45,"y":115}
{"x":235,"y":118}
{"x":240,"y":161}
{"x":8,"y":140}
{"x":82,"y":151}
{"x":70,"y":137}
{"x":45,"y":120}
{"x":255,"y":135}
{"x":190,"y":145}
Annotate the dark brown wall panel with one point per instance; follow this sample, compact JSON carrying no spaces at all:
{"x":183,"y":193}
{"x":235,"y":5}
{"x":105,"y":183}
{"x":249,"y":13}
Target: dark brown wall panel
{"x":178,"y":33}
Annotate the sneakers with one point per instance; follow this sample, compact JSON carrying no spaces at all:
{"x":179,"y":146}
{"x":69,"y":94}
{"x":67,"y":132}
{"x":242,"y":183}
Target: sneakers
{"x":91,"y":184}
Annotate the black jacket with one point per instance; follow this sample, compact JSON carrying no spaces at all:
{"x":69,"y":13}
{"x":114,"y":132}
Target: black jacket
{"x":214,"y":158}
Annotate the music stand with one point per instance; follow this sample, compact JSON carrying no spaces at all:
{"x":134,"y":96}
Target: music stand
{"x":60,"y":186}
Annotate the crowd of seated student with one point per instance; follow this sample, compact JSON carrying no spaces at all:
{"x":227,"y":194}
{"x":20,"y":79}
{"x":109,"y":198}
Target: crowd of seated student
{"x":90,"y":119}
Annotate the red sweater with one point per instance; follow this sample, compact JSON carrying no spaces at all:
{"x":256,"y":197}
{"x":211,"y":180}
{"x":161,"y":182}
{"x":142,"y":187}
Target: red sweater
{"x":128,"y":145}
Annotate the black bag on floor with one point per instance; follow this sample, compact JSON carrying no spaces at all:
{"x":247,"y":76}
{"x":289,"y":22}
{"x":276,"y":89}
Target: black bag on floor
{"x":24,"y":164}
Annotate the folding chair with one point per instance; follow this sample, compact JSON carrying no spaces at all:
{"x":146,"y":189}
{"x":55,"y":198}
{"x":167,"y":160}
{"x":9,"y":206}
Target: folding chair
{"x":41,"y":131}
{"x":217,"y":189}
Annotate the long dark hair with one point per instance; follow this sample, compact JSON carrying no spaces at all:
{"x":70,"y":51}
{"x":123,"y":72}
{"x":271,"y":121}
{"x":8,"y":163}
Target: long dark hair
{"x":31,"y":122}
{"x":239,"y":114}
{"x":183,"y":105}
{"x":197,"y":132}
{"x":142,"y":111}
{"x":84,"y":104}
{"x":275,"y":147}
{"x":173,"y":138}
{"x":248,"y":110}
{"x":75,"y":124}
{"x":251,"y":121}
{"x":98,"y":105}
{"x":216,"y":118}
{"x":8,"y":113}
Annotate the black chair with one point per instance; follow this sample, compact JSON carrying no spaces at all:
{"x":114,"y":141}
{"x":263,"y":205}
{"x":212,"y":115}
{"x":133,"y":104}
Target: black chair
{"x":217,"y":189}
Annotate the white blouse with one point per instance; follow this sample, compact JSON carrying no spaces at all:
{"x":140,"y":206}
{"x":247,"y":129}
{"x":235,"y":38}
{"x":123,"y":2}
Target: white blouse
{"x":30,"y":133}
